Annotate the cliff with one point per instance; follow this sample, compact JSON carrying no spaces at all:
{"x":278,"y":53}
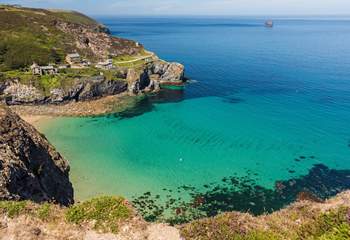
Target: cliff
{"x":147,"y":78}
{"x":30,"y":168}
{"x":46,"y":37}
{"x":113,"y":218}
{"x":302,"y":220}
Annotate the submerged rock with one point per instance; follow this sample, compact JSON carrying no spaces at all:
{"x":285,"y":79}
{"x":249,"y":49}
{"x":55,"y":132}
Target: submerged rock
{"x":30,"y":168}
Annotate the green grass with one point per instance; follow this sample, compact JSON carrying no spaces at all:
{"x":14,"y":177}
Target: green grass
{"x":124,"y":58}
{"x":74,"y":17}
{"x":28,"y":35}
{"x":44,"y":212}
{"x":63,"y":80}
{"x":334,"y":225}
{"x":135,"y":64}
{"x":13,"y":208}
{"x":106,"y":212}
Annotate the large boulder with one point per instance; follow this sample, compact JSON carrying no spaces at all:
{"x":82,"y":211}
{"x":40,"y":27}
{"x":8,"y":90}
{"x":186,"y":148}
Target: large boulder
{"x":167,"y":72}
{"x":30,"y":168}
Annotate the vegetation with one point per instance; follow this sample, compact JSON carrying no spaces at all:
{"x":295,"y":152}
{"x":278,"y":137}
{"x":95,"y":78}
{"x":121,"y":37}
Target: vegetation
{"x":312,"y":225}
{"x":64,"y":79}
{"x":106,"y":212}
{"x":13,"y":208}
{"x":28,"y":35}
{"x":334,"y":225}
{"x":128,"y":61}
{"x":301,"y":221}
{"x":44,"y":211}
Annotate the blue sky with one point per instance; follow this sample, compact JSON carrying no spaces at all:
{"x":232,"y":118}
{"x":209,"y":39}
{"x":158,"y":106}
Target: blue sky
{"x":196,"y":7}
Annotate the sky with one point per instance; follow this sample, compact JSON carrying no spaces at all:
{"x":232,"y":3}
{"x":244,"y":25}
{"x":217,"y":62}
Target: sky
{"x":195,"y":7}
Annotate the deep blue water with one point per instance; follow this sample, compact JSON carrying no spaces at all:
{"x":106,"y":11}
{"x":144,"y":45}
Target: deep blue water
{"x":266,"y":114}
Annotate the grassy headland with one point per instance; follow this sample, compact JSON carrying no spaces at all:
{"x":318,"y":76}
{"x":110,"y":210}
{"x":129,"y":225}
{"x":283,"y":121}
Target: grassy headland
{"x":300,"y":221}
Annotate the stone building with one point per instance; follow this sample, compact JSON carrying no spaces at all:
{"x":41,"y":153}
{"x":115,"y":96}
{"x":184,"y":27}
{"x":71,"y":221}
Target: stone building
{"x":43,"y":70}
{"x":106,"y":65}
{"x":73,"y":58}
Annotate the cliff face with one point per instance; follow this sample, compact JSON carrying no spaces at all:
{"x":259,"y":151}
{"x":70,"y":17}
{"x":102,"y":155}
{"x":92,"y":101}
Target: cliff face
{"x":152,"y":75}
{"x":46,"y":36}
{"x":30,"y":168}
{"x":81,"y":89}
{"x":146,"y":79}
{"x":97,"y":40}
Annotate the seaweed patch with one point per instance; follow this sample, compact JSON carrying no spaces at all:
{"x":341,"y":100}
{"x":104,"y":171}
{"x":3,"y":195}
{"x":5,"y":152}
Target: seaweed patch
{"x":240,"y":194}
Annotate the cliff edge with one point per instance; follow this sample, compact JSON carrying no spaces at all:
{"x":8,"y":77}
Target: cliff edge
{"x":30,"y":168}
{"x":54,"y":56}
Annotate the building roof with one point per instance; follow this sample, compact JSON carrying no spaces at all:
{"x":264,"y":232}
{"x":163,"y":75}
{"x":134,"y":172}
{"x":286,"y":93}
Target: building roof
{"x":47,"y":67}
{"x":34,"y":65}
{"x":73,"y":55}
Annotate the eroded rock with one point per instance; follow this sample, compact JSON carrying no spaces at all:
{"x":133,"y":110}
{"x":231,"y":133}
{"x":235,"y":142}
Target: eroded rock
{"x":30,"y":168}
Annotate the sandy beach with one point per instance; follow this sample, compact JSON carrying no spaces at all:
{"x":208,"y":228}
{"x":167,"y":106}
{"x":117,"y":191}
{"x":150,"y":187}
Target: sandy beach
{"x":41,"y":114}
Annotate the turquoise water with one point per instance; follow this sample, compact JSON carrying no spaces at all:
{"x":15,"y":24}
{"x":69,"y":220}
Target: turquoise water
{"x":265,"y":105}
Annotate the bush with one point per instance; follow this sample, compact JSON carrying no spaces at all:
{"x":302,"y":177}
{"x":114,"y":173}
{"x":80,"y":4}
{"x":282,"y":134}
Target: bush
{"x":105,"y":212}
{"x":13,"y":208}
{"x":329,"y":226}
{"x":44,"y":211}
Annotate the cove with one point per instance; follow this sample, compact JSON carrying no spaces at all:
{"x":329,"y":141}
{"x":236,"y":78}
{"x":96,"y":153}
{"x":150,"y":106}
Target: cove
{"x":266,"y":106}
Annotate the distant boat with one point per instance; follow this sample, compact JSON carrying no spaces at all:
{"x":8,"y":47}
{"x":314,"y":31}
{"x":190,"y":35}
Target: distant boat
{"x":269,"y":23}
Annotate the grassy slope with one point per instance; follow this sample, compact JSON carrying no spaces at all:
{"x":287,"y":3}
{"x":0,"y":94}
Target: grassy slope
{"x":301,"y":221}
{"x":28,"y":35}
{"x":105,"y":214}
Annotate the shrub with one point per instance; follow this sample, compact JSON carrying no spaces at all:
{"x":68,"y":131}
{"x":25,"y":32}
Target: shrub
{"x":105,"y":212}
{"x":13,"y":208}
{"x":331,"y":226}
{"x":43,"y":211}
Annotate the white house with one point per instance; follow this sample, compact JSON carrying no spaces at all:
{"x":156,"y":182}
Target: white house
{"x":43,"y":70}
{"x":106,"y":65}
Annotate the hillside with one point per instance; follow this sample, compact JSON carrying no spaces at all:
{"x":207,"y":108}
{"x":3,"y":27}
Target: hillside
{"x":36,"y":67}
{"x":113,"y":218}
{"x":45,"y":36}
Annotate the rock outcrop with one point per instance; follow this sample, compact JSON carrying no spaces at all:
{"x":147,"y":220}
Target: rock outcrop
{"x":81,"y":89}
{"x":30,"y":168}
{"x":153,"y":74}
{"x":97,"y":40}
{"x":167,"y":72}
{"x":64,"y":32}
{"x":145,"y":79}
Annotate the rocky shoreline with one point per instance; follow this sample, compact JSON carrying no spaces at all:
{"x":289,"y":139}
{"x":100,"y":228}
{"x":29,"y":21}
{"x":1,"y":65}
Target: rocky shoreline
{"x":137,"y":81}
{"x":98,"y":107}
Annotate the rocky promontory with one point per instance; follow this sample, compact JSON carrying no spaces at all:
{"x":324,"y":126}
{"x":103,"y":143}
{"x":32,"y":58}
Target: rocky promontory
{"x":75,"y":59}
{"x":133,"y":80}
{"x":30,"y":167}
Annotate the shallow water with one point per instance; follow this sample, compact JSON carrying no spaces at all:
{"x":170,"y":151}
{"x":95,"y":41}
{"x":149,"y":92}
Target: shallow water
{"x":267,"y":105}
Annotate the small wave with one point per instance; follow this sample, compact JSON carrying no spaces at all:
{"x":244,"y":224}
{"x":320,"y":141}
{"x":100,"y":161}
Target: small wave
{"x":192,"y":81}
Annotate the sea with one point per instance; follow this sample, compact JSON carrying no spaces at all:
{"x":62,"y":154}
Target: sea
{"x":263,"y":120}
